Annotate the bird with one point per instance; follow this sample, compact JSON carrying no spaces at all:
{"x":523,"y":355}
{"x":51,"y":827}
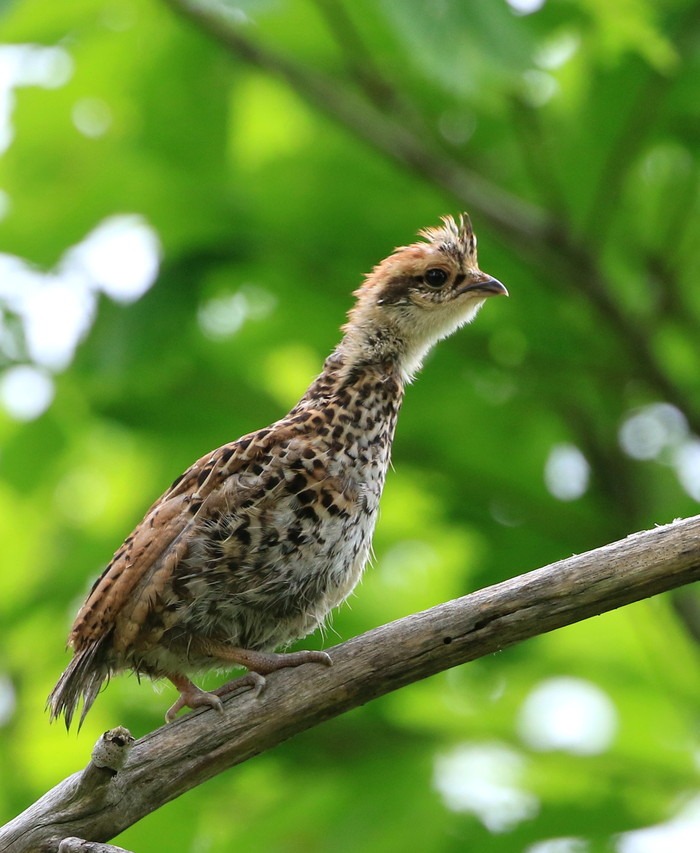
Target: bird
{"x":254,"y":545}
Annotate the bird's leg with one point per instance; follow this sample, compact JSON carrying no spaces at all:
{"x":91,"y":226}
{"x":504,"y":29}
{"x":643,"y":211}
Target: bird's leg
{"x":191,"y":696}
{"x":259,"y":664}
{"x":250,"y":679}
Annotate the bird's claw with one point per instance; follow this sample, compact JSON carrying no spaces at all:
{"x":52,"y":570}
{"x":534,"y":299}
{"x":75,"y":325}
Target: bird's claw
{"x":321,"y":657}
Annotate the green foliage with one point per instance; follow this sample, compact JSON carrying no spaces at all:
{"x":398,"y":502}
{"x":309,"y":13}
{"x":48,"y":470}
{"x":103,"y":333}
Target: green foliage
{"x":564,"y":418}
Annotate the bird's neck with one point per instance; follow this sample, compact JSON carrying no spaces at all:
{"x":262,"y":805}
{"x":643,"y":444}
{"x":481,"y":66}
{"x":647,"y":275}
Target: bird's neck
{"x":368,"y":346}
{"x":358,"y":390}
{"x":341,"y":373}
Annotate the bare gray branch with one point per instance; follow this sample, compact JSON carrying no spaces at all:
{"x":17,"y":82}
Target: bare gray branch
{"x":78,"y":845}
{"x":177,"y":757}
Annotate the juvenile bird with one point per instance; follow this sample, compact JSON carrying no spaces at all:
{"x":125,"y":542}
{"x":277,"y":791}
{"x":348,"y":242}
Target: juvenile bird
{"x":258,"y":541}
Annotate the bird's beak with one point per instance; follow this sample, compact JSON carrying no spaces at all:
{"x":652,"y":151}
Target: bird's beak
{"x":489,"y":287}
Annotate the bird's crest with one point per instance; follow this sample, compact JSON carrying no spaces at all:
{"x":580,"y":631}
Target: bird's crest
{"x":455,"y":239}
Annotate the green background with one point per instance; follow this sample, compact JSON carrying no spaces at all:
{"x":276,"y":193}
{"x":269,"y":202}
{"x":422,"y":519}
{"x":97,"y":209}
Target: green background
{"x":273,"y":172}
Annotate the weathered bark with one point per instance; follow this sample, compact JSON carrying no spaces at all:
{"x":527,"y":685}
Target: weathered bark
{"x":125,"y":782}
{"x":79,"y":845}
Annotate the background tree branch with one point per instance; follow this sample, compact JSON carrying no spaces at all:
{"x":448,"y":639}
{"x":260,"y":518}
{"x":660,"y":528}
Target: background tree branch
{"x":125,"y":782}
{"x":552,"y":244}
{"x":395,"y":138}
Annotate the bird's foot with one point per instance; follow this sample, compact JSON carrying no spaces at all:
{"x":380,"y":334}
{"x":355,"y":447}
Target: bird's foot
{"x":191,"y":696}
{"x":266,"y":662}
{"x":251,"y":679}
{"x":262,"y":663}
{"x":259,"y":665}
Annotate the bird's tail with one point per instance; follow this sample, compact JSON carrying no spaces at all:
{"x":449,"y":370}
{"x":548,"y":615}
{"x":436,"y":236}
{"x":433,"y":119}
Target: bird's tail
{"x":83,"y":677}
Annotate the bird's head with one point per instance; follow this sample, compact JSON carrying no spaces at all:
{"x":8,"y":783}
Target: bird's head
{"x":418,"y":295}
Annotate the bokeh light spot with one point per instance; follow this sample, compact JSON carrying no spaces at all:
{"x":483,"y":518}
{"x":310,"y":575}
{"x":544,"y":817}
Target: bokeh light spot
{"x":25,"y":392}
{"x":566,"y":472}
{"x":485,"y":779}
{"x":568,"y":714}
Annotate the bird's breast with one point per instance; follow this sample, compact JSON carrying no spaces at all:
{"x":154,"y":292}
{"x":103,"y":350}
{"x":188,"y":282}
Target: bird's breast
{"x":289,"y":534}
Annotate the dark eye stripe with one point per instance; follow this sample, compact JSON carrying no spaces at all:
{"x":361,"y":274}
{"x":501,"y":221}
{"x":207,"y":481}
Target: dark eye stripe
{"x":459,"y":279}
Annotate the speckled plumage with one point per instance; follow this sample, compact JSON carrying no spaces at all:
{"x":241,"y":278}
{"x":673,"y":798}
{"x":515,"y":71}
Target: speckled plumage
{"x":259,"y":540}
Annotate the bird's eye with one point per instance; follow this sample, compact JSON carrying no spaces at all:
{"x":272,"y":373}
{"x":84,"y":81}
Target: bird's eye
{"x":435,"y":277}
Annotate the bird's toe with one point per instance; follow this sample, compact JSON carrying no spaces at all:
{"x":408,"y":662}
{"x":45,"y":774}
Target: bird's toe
{"x":192,"y":697}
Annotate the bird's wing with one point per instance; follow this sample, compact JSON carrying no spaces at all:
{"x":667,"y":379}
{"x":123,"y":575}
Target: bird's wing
{"x":122,"y":596}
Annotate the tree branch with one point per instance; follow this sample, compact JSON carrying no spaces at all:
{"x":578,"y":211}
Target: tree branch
{"x":79,"y":845}
{"x":124,"y":783}
{"x":516,"y":218}
{"x":540,"y":238}
{"x":359,"y":59}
